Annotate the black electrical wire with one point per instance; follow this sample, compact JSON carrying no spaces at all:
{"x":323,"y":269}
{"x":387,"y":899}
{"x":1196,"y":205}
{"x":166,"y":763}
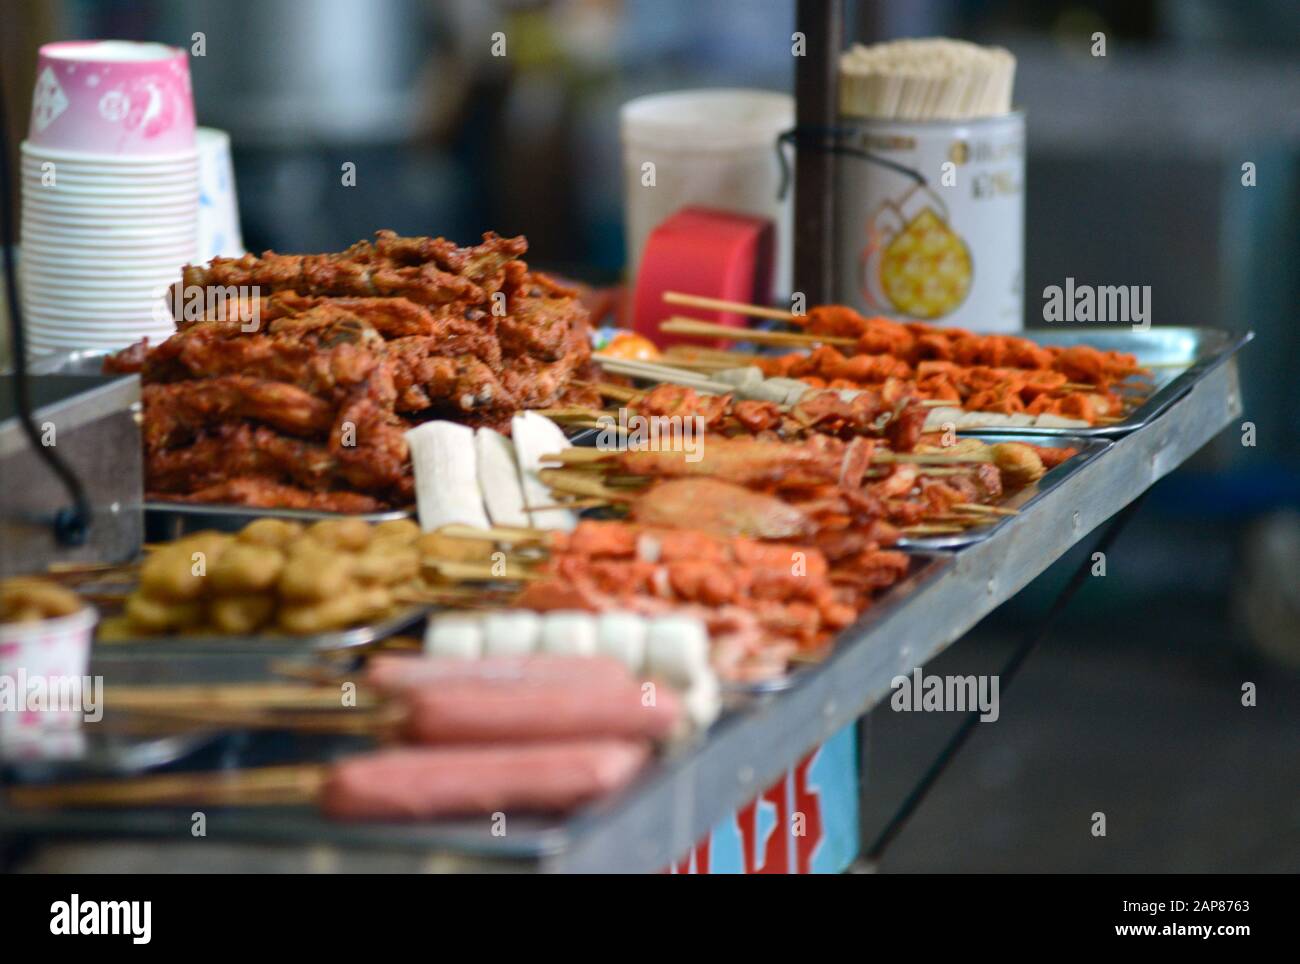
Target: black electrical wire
{"x":71,"y":523}
{"x":830,"y":140}
{"x":914,"y":799}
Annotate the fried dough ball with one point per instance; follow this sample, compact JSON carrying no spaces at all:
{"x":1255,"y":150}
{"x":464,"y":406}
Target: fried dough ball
{"x":313,"y":573}
{"x":177,"y":571}
{"x":29,"y":600}
{"x":386,"y":564}
{"x":240,"y":615}
{"x":246,"y":568}
{"x":1019,"y":464}
{"x":336,"y":612}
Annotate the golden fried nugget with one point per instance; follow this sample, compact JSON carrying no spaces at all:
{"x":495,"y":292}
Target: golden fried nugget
{"x":274,"y":533}
{"x":435,"y":546}
{"x":245,"y":568}
{"x":26,"y":599}
{"x":174,"y":572}
{"x":336,"y":612}
{"x":150,"y":614}
{"x":386,"y":564}
{"x":350,"y":535}
{"x":239,"y":615}
{"x":1019,"y":464}
{"x":178,"y":570}
{"x":315,"y":573}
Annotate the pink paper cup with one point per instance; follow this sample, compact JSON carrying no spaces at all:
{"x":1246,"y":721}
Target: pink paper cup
{"x":114,"y":98}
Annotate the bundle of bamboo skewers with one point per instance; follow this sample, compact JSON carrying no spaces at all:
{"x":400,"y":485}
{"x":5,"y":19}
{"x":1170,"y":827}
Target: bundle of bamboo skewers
{"x":927,"y":79}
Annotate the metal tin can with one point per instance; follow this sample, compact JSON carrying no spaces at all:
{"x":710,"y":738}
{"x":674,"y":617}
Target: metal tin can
{"x":930,"y":220}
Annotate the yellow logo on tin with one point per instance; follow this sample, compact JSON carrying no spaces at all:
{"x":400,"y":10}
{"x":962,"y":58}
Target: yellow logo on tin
{"x":926,"y":269}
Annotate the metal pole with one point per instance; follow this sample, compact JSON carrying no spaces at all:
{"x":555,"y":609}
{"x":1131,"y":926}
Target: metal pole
{"x":815,"y":90}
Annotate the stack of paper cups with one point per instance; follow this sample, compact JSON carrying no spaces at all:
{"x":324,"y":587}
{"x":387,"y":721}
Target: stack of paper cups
{"x":110,"y":189}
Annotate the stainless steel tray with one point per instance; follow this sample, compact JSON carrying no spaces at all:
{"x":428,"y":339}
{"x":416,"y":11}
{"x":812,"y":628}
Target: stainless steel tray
{"x":163,"y":648}
{"x":1183,"y":356}
{"x":85,"y":362}
{"x":926,"y":567}
{"x":1089,"y":448}
{"x":170,"y":520}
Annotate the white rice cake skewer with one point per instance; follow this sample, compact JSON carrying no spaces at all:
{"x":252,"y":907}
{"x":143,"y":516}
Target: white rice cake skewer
{"x":446,"y":476}
{"x":677,"y":651}
{"x":511,"y":632}
{"x":622,"y":635}
{"x":535,"y":436}
{"x":454,"y":635}
{"x":568,"y":633}
{"x":498,"y":476}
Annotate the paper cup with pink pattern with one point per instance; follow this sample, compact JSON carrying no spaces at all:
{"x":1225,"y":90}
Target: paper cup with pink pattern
{"x":113,"y":98}
{"x":43,"y":666}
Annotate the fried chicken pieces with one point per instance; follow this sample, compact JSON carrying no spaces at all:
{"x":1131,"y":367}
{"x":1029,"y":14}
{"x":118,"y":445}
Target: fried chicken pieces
{"x":294,"y":386}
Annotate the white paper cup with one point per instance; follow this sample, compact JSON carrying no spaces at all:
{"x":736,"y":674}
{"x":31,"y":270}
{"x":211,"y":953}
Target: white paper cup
{"x":96,"y":264}
{"x":134,"y":162}
{"x":48,"y":651}
{"x":112,"y":238}
{"x":71,"y":181}
{"x":109,"y":290}
{"x":715,"y":148}
{"x":88,"y":247}
{"x":55,"y":202}
{"x":108,"y":341}
{"x":34,"y":213}
{"x":87,"y":277}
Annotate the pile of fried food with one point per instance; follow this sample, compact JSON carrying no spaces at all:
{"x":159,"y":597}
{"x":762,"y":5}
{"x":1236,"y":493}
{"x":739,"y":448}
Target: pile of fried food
{"x":274,"y":576}
{"x":296,"y":385}
{"x":978,"y":373}
{"x":25,"y":599}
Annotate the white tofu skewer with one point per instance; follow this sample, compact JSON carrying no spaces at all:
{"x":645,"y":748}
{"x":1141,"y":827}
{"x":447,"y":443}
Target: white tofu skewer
{"x":454,"y":636}
{"x":498,"y":474}
{"x":535,"y":436}
{"x":447,"y":487}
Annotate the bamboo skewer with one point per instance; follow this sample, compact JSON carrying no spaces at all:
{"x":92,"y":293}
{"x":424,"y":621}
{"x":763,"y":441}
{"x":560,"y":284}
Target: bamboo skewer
{"x":490,"y":571}
{"x":706,"y":329}
{"x":511,"y":534}
{"x":262,"y":696}
{"x":735,"y":307}
{"x":295,"y":784}
{"x":664,"y":373}
{"x":619,"y":393}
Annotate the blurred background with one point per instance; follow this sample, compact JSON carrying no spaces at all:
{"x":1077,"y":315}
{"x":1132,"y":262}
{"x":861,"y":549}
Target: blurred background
{"x":1134,"y":176}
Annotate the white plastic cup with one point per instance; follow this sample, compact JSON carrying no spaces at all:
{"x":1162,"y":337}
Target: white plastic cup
{"x":715,"y":148}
